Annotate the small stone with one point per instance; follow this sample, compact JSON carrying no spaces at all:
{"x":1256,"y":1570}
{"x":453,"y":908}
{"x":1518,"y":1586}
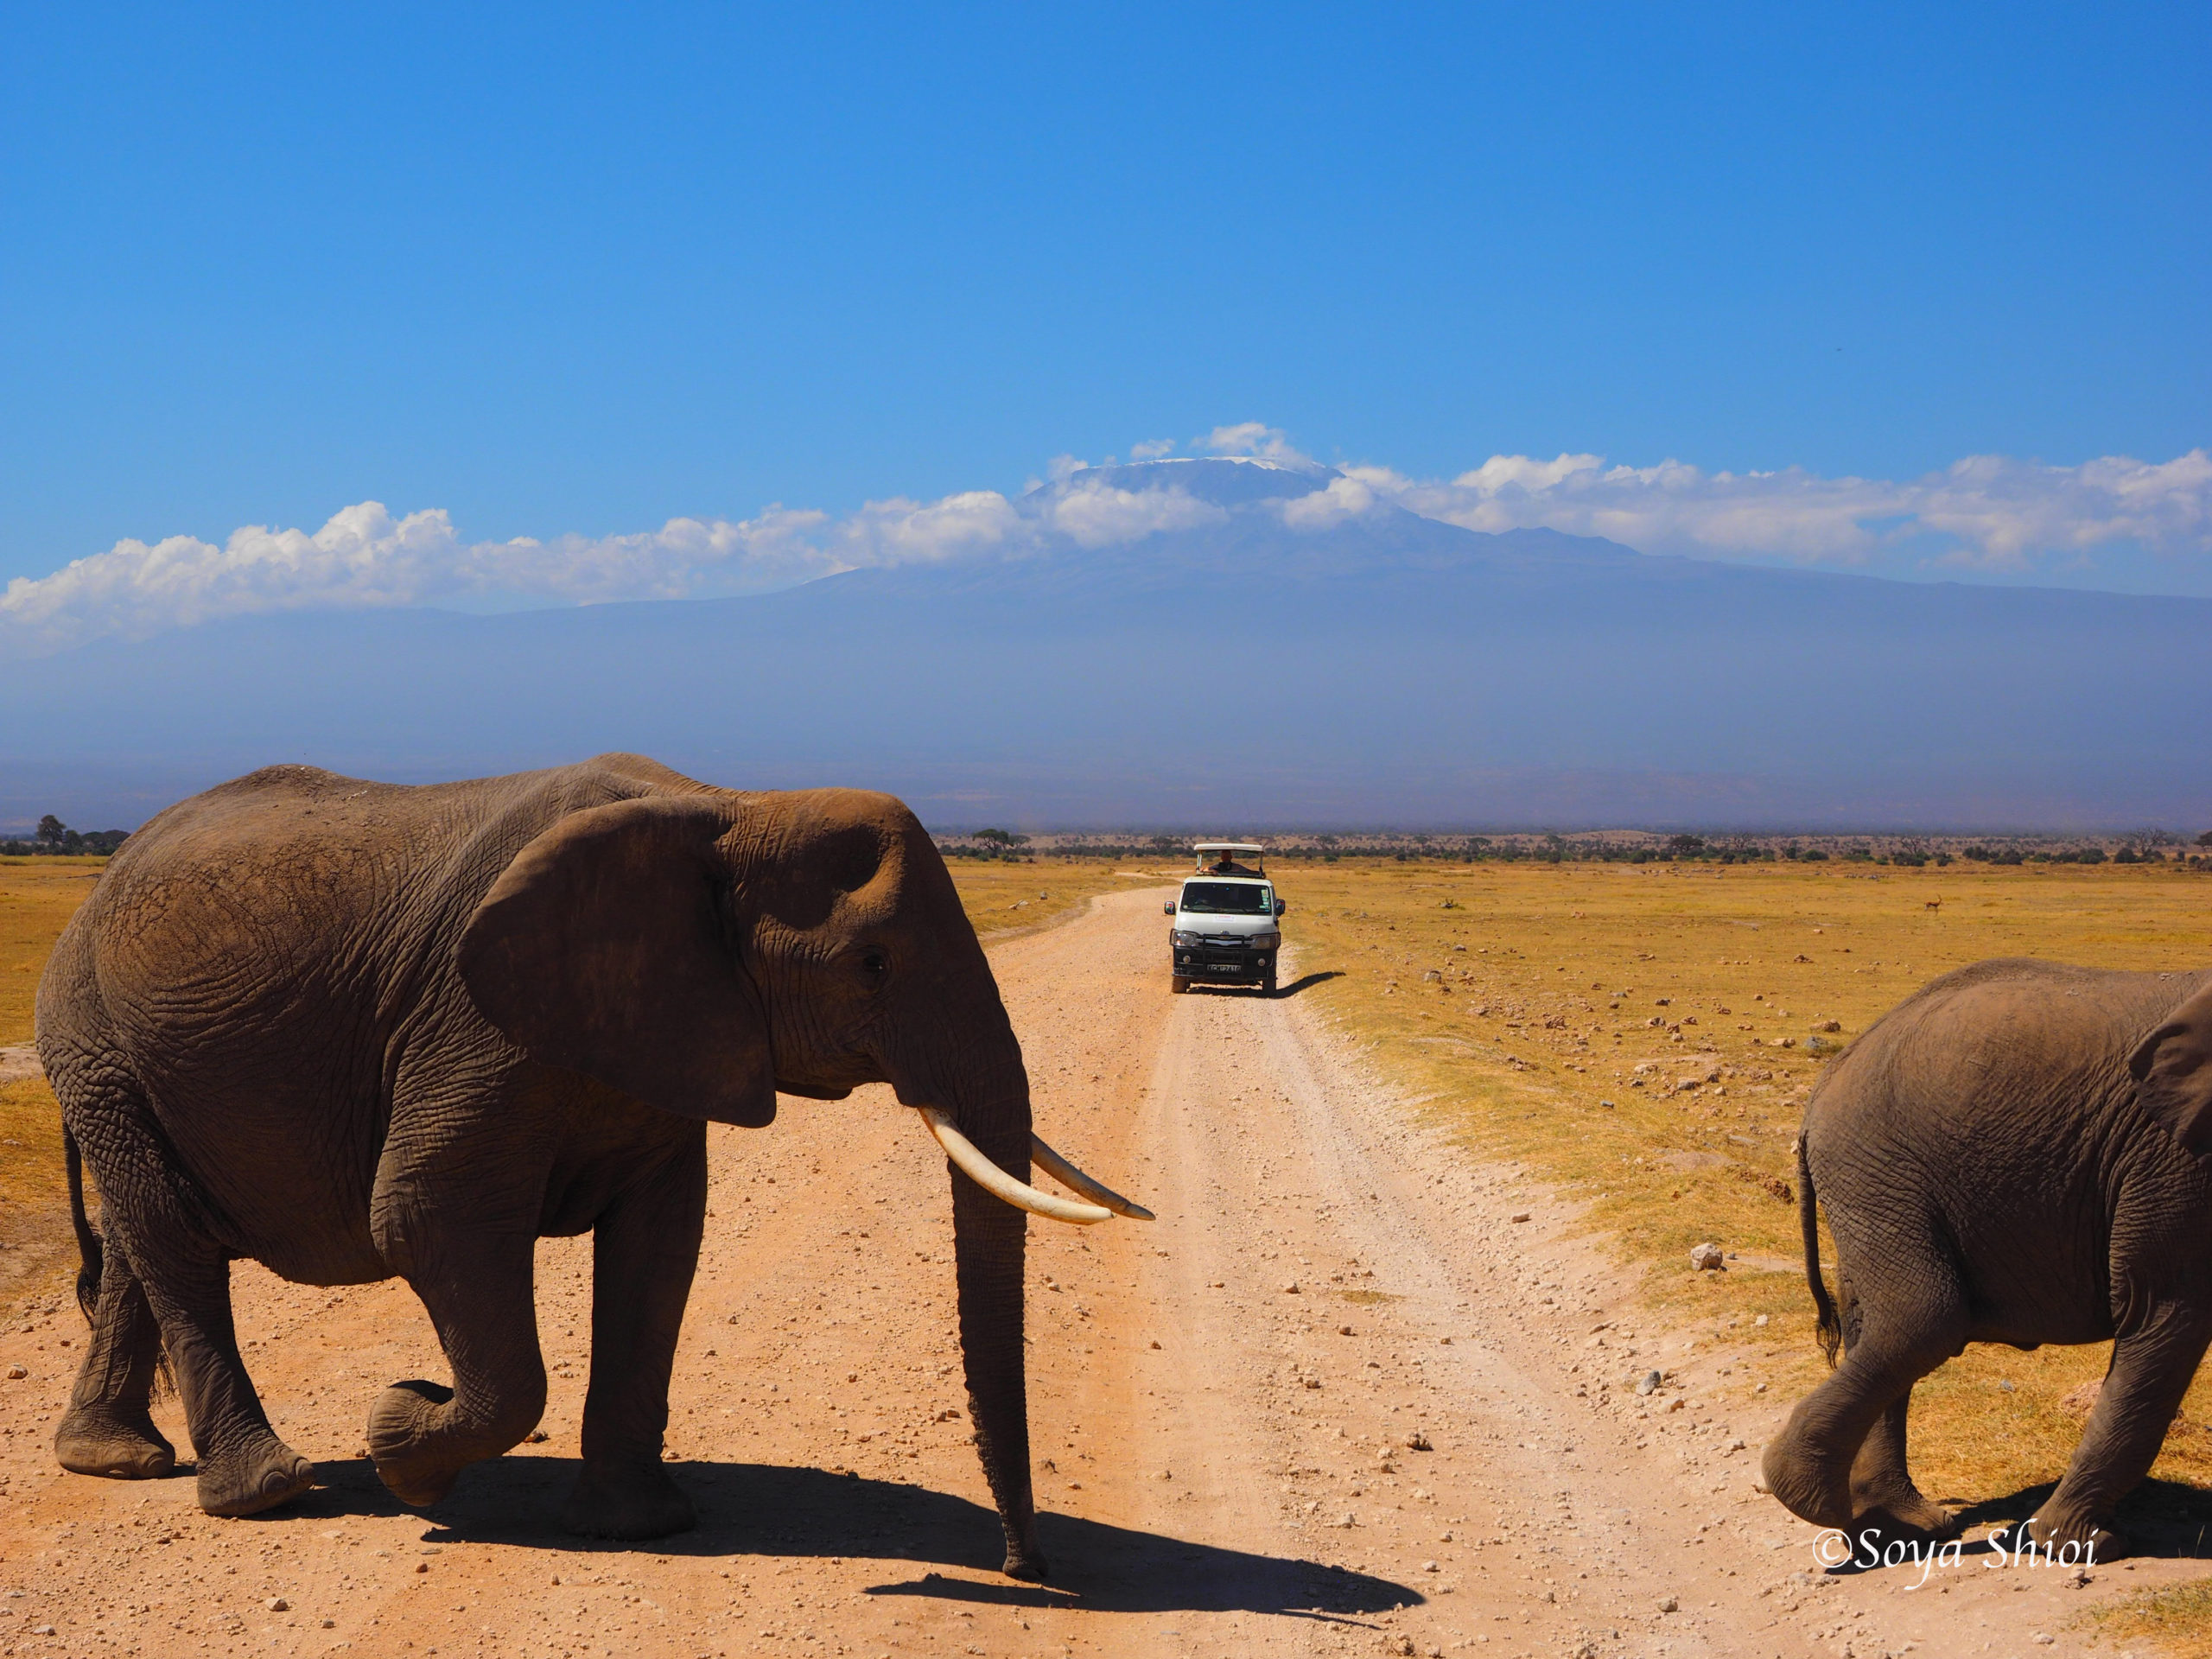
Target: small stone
{"x":329,"y":1623}
{"x":16,"y":1373}
{"x":1518,"y":1215}
{"x":41,"y":1629}
{"x":422,"y":1567}
{"x":1671,"y":1603}
{"x":1708,"y":1258}
{"x":1760,"y":1320}
{"x":1429,"y":1566}
{"x":1156,"y":1343}
{"x":1343,"y":1330}
{"x":536,"y":1436}
{"x":1290,"y":1287}
{"x":278,"y":1604}
{"x":1417,"y":1441}
{"x":1648,"y":1383}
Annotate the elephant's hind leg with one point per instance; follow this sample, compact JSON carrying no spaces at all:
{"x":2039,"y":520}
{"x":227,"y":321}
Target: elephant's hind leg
{"x":1840,"y":1459}
{"x":1883,"y":1495}
{"x":108,"y":1429}
{"x":480,"y":1296}
{"x":168,"y":1254}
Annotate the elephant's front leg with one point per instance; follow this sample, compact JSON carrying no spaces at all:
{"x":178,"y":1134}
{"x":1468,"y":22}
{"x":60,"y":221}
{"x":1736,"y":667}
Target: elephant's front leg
{"x":644,"y":1250}
{"x":2152,"y":1369}
{"x":477,"y":1289}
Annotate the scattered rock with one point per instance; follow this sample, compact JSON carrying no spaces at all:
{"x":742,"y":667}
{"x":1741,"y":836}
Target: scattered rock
{"x":1671,"y":1603}
{"x":1829,"y":1025}
{"x":1343,"y":1330}
{"x":1417,"y":1441}
{"x":16,"y":1373}
{"x":538,"y":1437}
{"x":2080,"y":1401}
{"x":1648,"y":1383}
{"x":1518,"y":1215}
{"x":1290,"y":1287}
{"x":1708,"y":1258}
{"x":278,"y":1604}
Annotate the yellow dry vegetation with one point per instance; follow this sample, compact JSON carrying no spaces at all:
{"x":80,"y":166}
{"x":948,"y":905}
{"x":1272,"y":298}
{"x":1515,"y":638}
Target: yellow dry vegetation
{"x":1001,"y":895}
{"x":1643,"y":1038}
{"x":37,"y":898}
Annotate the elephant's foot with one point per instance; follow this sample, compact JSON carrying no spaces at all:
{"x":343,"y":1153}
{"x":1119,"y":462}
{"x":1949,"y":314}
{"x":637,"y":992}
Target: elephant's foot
{"x":628,"y":1501}
{"x":1920,"y":1523}
{"x":98,"y":1439}
{"x":2069,"y":1537}
{"x":260,"y":1476}
{"x":412,"y":1458}
{"x":1899,"y":1510}
{"x":1809,"y":1489}
{"x":1027,"y":1563}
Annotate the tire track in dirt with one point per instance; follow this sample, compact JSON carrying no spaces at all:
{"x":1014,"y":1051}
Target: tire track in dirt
{"x":1224,"y":1466}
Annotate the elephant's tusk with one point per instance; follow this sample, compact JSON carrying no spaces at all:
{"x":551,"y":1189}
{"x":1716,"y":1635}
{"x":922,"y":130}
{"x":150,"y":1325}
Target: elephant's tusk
{"x":995,"y":1181}
{"x":1076,"y":1182}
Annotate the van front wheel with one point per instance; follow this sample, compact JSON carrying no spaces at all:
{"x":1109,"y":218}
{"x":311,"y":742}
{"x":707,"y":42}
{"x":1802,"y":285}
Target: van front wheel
{"x":1179,"y":985}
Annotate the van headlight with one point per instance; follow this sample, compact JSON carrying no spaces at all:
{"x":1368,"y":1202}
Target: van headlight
{"x":1186,"y":939}
{"x":1266,"y":941}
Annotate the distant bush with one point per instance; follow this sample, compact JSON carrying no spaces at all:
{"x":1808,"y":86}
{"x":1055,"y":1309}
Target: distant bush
{"x":1812,"y":855}
{"x":54,"y":838}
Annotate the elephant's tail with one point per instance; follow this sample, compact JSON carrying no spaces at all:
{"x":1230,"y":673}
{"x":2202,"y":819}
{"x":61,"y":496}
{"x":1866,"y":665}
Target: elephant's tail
{"x":90,"y":1259}
{"x":1829,"y":1326}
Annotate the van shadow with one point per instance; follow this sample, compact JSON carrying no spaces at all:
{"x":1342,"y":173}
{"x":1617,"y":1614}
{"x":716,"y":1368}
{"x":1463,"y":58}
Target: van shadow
{"x":1303,"y":982}
{"x":753,"y":1509}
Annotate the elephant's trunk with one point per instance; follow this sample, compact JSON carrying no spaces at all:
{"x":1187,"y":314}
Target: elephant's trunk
{"x":989,"y":1237}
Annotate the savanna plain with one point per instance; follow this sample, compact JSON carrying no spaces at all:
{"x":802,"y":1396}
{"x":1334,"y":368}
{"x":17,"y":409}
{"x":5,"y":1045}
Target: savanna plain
{"x":1372,"y":1384}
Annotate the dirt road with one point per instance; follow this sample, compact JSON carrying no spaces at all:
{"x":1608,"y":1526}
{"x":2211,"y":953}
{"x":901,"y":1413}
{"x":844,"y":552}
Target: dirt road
{"x":1352,"y":1392}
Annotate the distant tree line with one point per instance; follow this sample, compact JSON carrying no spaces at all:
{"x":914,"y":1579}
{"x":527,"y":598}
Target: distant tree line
{"x":54,"y":837}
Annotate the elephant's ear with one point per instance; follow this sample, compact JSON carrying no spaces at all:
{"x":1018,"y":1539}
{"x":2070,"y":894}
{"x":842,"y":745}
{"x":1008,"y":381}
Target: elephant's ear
{"x":602,"y":948}
{"x":2173,"y":1073}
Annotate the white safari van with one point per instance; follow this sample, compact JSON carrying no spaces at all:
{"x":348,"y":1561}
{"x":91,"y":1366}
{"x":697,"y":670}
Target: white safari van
{"x":1227,"y":927}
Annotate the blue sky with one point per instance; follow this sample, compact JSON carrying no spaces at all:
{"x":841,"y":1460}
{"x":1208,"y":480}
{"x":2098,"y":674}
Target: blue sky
{"x":560,"y":271}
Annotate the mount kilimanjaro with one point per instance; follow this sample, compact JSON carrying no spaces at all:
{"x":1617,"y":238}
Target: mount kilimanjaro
{"x":1245,"y":644}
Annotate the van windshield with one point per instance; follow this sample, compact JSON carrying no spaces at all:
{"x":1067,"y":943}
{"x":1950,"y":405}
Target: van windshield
{"x":1227,"y":899}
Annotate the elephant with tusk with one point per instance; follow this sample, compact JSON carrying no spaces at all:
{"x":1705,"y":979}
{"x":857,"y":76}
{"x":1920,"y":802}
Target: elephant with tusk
{"x":356,"y":1031}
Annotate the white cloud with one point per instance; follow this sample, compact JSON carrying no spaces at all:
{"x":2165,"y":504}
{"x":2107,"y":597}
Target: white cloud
{"x":1098,"y":515}
{"x":1152,"y":449}
{"x":1344,"y":497}
{"x":1253,"y":440}
{"x":1988,"y":512}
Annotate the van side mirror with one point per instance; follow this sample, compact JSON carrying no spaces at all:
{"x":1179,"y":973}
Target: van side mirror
{"x":1167,"y":909}
{"x":1280,"y":907}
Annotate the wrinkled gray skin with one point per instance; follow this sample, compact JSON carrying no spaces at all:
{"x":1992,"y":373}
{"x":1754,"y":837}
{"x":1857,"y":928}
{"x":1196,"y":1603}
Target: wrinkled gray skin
{"x":353,"y":1031}
{"x":2019,"y":1154}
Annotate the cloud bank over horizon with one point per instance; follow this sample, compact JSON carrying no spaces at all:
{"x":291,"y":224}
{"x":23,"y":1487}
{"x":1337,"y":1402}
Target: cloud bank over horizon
{"x":1983,"y":518}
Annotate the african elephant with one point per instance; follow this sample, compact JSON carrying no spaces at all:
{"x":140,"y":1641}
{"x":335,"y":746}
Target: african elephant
{"x":2020,"y":1152}
{"x":356,"y":1031}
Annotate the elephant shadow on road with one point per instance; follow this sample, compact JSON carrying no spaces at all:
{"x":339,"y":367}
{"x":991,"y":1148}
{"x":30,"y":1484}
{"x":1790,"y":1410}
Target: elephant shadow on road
{"x":750,"y":1509}
{"x":2165,"y":1518}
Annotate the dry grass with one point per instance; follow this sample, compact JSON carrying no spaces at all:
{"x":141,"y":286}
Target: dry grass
{"x":1529,"y":1003}
{"x":1001,"y":896}
{"x":2179,"y":1617}
{"x":37,"y":898}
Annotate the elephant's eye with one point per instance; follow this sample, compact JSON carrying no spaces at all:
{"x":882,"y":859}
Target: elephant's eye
{"x":875,"y":968}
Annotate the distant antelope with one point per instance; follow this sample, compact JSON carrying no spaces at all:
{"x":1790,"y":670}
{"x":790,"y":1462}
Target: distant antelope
{"x":1933,"y":904}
